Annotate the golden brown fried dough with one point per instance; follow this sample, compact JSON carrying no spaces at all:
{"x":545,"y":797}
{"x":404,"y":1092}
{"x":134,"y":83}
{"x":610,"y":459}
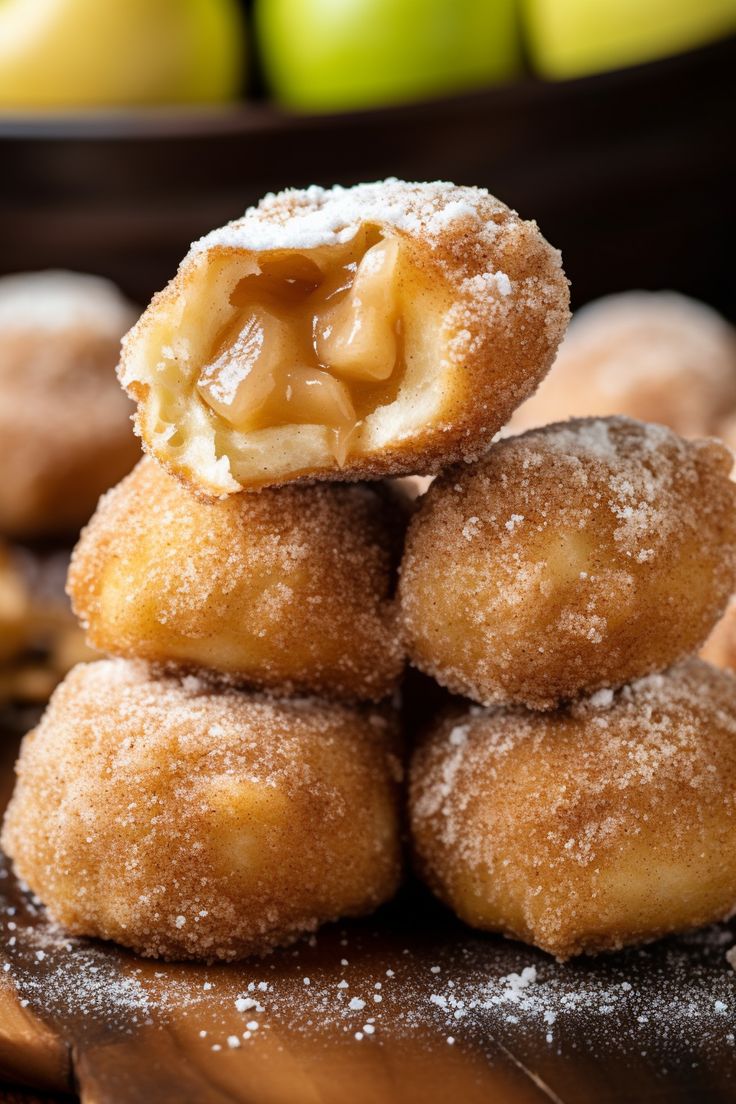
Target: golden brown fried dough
{"x":574,"y":557}
{"x":380,"y":330}
{"x":290,"y":589}
{"x":657,"y":356}
{"x":15,"y":603}
{"x":720,"y":647}
{"x":609,"y":822}
{"x":188,"y":823}
{"x":65,"y":432}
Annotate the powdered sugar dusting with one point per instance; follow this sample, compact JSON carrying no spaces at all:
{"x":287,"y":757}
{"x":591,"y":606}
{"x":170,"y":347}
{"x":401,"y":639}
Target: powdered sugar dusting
{"x":316,"y":216}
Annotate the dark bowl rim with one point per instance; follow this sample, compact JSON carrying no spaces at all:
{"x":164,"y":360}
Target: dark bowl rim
{"x":244,"y":117}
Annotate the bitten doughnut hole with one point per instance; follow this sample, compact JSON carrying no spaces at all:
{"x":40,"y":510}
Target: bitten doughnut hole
{"x":317,"y":339}
{"x":190,"y":823}
{"x":290,"y":589}
{"x":343,"y":334}
{"x":606,"y":823}
{"x":573,"y":558}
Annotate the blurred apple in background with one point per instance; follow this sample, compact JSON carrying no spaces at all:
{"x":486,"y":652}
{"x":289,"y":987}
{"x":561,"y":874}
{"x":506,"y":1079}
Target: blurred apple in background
{"x":100,"y":53}
{"x":323,"y":55}
{"x":571,"y":38}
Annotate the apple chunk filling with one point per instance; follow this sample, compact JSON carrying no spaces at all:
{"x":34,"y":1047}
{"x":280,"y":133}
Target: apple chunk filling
{"x":356,"y":337}
{"x":311,"y":342}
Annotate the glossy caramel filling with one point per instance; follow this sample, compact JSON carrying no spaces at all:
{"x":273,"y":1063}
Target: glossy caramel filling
{"x":315,"y":340}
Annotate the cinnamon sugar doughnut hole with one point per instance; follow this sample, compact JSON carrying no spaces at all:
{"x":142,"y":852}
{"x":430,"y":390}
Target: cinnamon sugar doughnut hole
{"x":345,"y":333}
{"x":609,"y":822}
{"x":189,"y":823}
{"x":720,"y":647}
{"x":65,"y":431}
{"x":289,"y":589}
{"x":572,"y":558}
{"x":657,"y":356}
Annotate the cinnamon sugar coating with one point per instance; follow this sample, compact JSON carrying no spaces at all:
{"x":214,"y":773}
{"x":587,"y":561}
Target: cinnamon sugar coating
{"x":290,"y":589}
{"x":482,"y":301}
{"x":65,"y":432}
{"x":572,"y":558}
{"x":189,"y":823}
{"x":609,"y":822}
{"x":720,"y":647}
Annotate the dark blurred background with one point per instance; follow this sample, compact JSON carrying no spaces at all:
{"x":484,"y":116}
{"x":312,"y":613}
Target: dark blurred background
{"x":623,"y":151}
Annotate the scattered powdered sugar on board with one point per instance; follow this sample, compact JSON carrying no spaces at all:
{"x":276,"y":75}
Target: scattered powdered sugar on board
{"x":678,"y":997}
{"x":673,"y":1003}
{"x":78,"y":979}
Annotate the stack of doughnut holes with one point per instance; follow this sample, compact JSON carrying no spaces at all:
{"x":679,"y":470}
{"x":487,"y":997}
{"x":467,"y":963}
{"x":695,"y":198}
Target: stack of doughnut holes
{"x":607,"y":818}
{"x":232,"y":775}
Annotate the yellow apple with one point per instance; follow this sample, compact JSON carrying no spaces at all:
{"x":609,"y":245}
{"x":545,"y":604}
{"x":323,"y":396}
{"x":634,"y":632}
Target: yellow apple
{"x":105,"y":53}
{"x":570,"y":38}
{"x":324,"y":55}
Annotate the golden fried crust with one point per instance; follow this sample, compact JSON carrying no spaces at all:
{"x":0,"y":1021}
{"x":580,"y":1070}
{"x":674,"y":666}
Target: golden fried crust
{"x":65,"y":432}
{"x":609,"y":822}
{"x":484,"y":320}
{"x":290,"y":589}
{"x":193,"y":824}
{"x":572,"y":558}
{"x":720,"y":647}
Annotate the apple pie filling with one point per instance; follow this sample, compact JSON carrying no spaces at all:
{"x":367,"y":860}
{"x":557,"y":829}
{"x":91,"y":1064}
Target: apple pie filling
{"x":315,"y":339}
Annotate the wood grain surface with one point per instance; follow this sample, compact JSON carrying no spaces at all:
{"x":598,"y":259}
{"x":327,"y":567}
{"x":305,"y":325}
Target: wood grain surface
{"x":408,"y":1007}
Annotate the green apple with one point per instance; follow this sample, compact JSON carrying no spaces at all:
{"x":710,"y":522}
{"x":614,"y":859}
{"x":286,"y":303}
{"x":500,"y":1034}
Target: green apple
{"x":323,"y":55}
{"x":570,"y":38}
{"x":102,"y":53}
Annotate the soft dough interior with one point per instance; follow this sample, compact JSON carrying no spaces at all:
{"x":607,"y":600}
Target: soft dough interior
{"x":289,"y":360}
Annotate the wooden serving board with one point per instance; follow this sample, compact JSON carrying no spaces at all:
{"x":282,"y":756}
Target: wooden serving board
{"x":407,"y":1007}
